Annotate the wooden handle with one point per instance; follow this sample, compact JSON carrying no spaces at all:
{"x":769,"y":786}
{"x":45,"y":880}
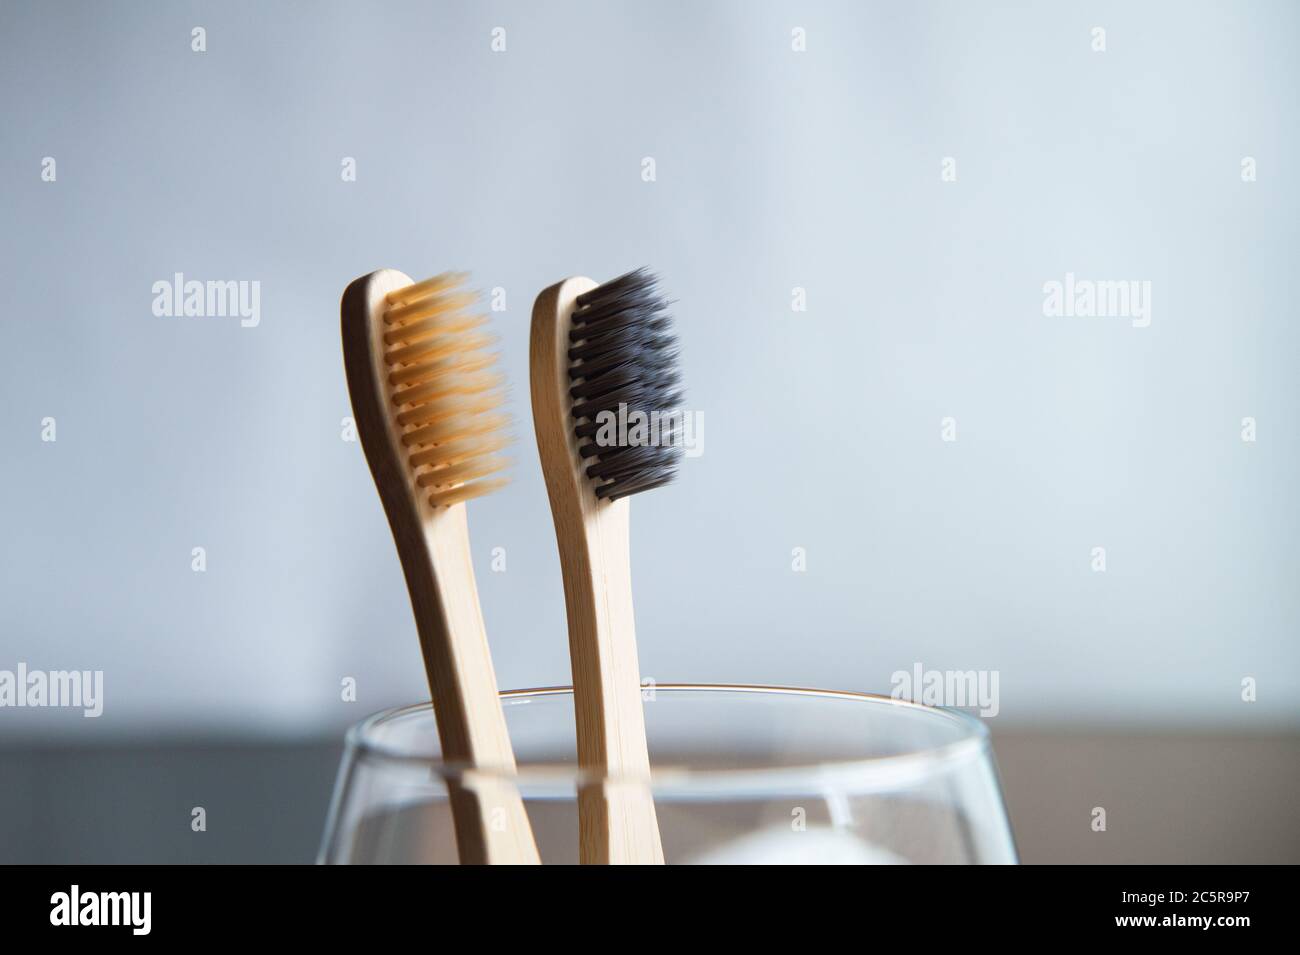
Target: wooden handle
{"x":616,"y":819}
{"x":433,"y":546}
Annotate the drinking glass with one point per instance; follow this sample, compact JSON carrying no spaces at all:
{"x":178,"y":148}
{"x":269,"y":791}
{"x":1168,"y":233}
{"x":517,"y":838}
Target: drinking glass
{"x":740,"y":774}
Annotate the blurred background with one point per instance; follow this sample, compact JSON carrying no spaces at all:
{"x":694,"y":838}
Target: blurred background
{"x":856,"y":206}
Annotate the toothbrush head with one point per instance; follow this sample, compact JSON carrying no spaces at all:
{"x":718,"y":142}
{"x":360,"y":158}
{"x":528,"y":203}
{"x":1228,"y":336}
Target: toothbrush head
{"x":625,"y":385}
{"x":444,"y":394}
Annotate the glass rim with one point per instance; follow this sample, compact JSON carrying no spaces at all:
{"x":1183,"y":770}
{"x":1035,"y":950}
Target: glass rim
{"x":859,"y":773}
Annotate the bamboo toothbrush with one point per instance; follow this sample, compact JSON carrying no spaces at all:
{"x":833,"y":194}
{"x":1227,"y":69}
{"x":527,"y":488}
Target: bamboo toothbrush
{"x":426,"y":402}
{"x":597,"y":351}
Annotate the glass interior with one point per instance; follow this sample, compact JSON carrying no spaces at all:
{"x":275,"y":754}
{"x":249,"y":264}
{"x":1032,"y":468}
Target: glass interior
{"x":739,"y":774}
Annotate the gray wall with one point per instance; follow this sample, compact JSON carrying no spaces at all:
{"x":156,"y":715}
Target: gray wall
{"x":775,"y":169}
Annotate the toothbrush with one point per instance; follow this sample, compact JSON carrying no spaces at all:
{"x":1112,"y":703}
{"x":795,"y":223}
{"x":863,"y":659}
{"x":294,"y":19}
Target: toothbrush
{"x":598,"y":355}
{"x":426,"y":401}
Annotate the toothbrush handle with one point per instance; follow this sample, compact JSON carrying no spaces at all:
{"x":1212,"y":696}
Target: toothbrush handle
{"x":617,"y":822}
{"x":491,"y":824}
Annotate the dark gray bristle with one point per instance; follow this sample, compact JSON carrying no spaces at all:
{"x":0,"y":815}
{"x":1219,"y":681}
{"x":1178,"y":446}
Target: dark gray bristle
{"x":623,"y":352}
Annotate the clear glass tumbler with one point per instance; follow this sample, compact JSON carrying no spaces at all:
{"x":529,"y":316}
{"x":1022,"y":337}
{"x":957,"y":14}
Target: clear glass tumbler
{"x":740,"y":774}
